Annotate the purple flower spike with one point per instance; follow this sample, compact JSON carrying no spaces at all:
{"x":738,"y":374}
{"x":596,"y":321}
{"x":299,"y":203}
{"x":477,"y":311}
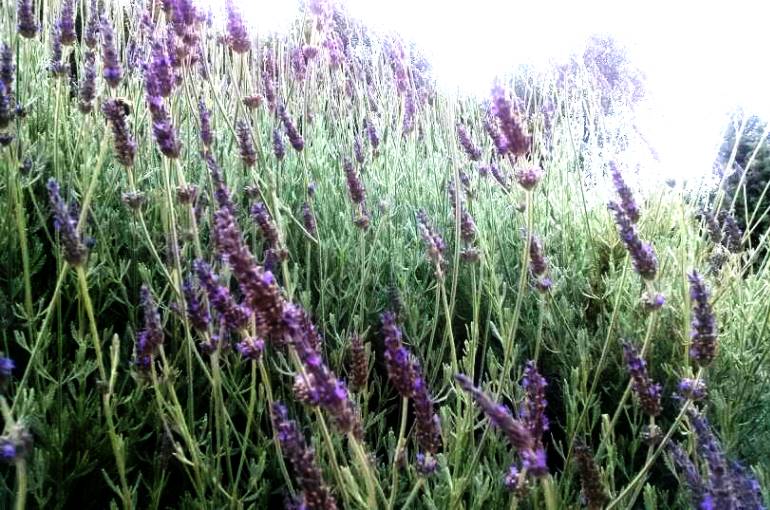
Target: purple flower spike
{"x":27,"y":26}
{"x":56,"y":65}
{"x":371,"y":133}
{"x":278,"y":147}
{"x":473,"y":152}
{"x":234,"y":316}
{"x":162,"y":129}
{"x":627,"y":202}
{"x":251,"y":348}
{"x":295,"y":139}
{"x":692,"y":389}
{"x":67,"y":23}
{"x":499,"y":415}
{"x":207,"y":135}
{"x":590,"y":478}
{"x":7,"y":67}
{"x":518,"y":141}
{"x":237,"y":35}
{"x":91,"y":33}
{"x":197,"y":312}
{"x":301,"y":457}
{"x":87,"y":89}
{"x":245,"y":144}
{"x":266,"y":224}
{"x":642,"y":254}
{"x":308,"y":219}
{"x":113,"y":72}
{"x":529,"y":177}
{"x":719,"y":482}
{"x":427,"y":422}
{"x":359,"y":365}
{"x":703,"y":347}
{"x":74,"y":250}
{"x":400,"y":369}
{"x":355,"y":186}
{"x":434,"y":243}
{"x":322,"y":386}
{"x":162,"y":79}
{"x":647,"y":391}
{"x":532,"y":411}
{"x":150,"y":338}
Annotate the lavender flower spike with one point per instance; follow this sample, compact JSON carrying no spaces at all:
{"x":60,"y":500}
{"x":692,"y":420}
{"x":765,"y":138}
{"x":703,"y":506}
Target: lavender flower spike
{"x":295,"y":139}
{"x":301,"y":457}
{"x":647,"y":391}
{"x":7,"y":67}
{"x":519,"y":141}
{"x":207,"y":135}
{"x":642,"y":254}
{"x":248,"y":153}
{"x":400,"y":369}
{"x":91,"y":33}
{"x":74,"y":249}
{"x":67,"y":23}
{"x":87,"y":89}
{"x":27,"y":26}
{"x":703,"y":348}
{"x":125,"y":147}
{"x":434,"y":243}
{"x":234,"y":316}
{"x":473,"y":152}
{"x":150,"y":337}
{"x":237,"y":35}
{"x":355,"y":186}
{"x":500,"y":416}
{"x":197,"y":312}
{"x":427,"y":422}
{"x":113,"y":72}
{"x":627,"y":201}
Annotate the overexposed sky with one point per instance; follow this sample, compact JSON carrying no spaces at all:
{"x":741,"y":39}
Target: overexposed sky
{"x":703,"y":59}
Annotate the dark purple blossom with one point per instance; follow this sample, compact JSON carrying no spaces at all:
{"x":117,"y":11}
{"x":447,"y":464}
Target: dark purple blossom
{"x":371,"y":133}
{"x":473,"y":152}
{"x":532,"y":410}
{"x":400,"y":369}
{"x":642,"y":254}
{"x":295,"y":139}
{"x":653,"y":301}
{"x":719,"y":481}
{"x":692,"y":476}
{"x":493,"y":130}
{"x":703,"y":347}
{"x":245,"y":144}
{"x":207,"y":135}
{"x":87,"y":89}
{"x":197,"y":311}
{"x":427,"y":423}
{"x":518,"y":141}
{"x":259,"y":288}
{"x":113,"y":72}
{"x":323,"y":387}
{"x":409,"y":112}
{"x":355,"y":186}
{"x":500,"y":416}
{"x":266,"y":224}
{"x":7,"y":367}
{"x":434,"y":243}
{"x":233,"y":315}
{"x":67,"y":23}
{"x":278,"y":147}
{"x":301,"y":457}
{"x":590,"y":478}
{"x":627,"y":202}
{"x":359,"y":364}
{"x":162,"y":128}
{"x":74,"y":250}
{"x":358,"y":150}
{"x":56,"y":64}
{"x":237,"y":35}
{"x":160,"y":80}
{"x":732,"y":234}
{"x":308,"y":219}
{"x":646,"y":390}
{"x":91,"y":33}
{"x":251,"y":348}
{"x":150,"y":338}
{"x":16,"y":444}
{"x":529,"y":177}
{"x":692,"y":389}
{"x":6,"y":110}
{"x":25,"y":16}
{"x":7,"y":67}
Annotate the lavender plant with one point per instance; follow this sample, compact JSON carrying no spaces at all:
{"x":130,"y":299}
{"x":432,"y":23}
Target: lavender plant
{"x":190,"y":319}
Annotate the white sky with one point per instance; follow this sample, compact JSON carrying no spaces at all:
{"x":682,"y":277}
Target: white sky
{"x":702,"y":59}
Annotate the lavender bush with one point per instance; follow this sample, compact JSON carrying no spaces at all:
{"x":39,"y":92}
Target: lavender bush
{"x":418,"y":304}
